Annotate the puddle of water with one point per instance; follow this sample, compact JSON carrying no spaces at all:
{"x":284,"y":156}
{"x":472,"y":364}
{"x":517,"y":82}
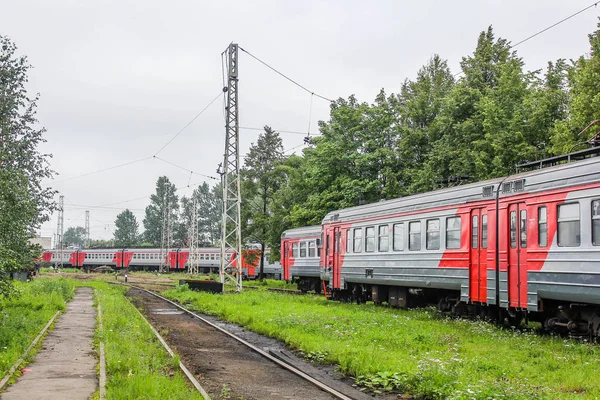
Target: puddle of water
{"x":166,"y":311}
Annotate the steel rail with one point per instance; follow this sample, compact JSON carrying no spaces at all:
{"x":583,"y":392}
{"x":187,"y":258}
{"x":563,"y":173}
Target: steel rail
{"x":183,"y":368}
{"x":281,"y":363}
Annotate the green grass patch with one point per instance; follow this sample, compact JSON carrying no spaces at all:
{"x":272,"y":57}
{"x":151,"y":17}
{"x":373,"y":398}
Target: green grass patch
{"x":23,"y":315}
{"x":271,"y":283}
{"x":137,"y":366}
{"x":413,"y":351}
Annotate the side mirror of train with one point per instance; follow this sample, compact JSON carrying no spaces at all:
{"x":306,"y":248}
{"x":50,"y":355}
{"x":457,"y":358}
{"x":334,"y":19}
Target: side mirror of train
{"x":318,"y":242}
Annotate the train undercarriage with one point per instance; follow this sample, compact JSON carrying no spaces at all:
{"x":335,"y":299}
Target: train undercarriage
{"x":577,"y":321}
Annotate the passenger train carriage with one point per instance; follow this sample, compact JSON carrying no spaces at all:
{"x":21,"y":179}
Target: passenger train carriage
{"x":526,"y":245}
{"x":150,"y":259}
{"x":300,"y":257}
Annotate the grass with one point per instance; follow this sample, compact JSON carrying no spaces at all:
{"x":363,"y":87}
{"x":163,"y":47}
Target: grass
{"x":413,"y":351}
{"x":23,"y":316}
{"x":271,"y":283}
{"x":137,"y":366}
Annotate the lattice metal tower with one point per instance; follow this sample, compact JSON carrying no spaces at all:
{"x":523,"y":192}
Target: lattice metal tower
{"x":193,"y":237}
{"x":231,"y":229}
{"x":166,"y":236}
{"x":87,"y":230}
{"x":60,"y":226}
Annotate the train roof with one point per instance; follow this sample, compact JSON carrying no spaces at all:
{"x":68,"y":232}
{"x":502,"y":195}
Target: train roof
{"x":556,"y":177}
{"x":304,"y":231}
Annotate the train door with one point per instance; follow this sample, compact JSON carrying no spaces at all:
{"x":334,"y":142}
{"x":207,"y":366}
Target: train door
{"x":478,"y":256}
{"x":517,"y":255}
{"x":285,"y":261}
{"x":337,"y":273}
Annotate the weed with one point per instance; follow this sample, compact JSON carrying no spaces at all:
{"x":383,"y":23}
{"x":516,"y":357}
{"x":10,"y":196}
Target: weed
{"x":412,"y":351}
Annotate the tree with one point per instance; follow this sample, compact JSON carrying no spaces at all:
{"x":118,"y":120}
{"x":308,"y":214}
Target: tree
{"x":74,"y":237}
{"x":24,"y":204}
{"x":584,"y":100}
{"x":208,"y":215}
{"x":260,"y":180}
{"x":126,"y":232}
{"x":153,"y":220}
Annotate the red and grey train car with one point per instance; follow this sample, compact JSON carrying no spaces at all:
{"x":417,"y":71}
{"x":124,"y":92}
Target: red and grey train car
{"x":300,"y":257}
{"x":526,"y":245}
{"x":146,"y":259}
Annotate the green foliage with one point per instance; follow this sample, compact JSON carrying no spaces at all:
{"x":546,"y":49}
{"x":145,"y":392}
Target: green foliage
{"x":584,"y":101}
{"x":74,"y":237}
{"x":126,"y":232}
{"x":137,"y":366}
{"x":164,"y":200}
{"x":208,"y":214}
{"x":24,"y":204}
{"x":261,"y":178}
{"x":24,"y":314}
{"x":412,"y":351}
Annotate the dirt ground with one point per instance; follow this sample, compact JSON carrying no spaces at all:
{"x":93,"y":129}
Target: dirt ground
{"x":224,"y":367}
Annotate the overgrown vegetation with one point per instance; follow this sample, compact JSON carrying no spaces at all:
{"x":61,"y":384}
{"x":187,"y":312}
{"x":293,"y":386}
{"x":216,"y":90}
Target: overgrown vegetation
{"x":413,"y":351}
{"x":23,"y":315}
{"x":271,"y":283}
{"x":137,"y":366}
{"x":24,"y":202}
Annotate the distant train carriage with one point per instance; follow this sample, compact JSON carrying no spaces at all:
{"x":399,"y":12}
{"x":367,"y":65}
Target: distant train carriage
{"x":523,"y":245}
{"x":300,"y":257}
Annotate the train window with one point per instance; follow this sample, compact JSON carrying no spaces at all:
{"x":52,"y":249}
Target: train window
{"x":201,"y":256}
{"x":484,"y":231}
{"x":398,"y":244}
{"x":370,"y":239}
{"x":312,"y":247}
{"x":414,"y":235}
{"x":337,"y":237}
{"x":348,"y":241}
{"x":542,"y":226}
{"x":212,"y":256}
{"x":453,"y":230}
{"x":513,"y":229}
{"x":569,"y":229}
{"x":384,"y":238}
{"x":357,"y":240}
{"x":295,"y":250}
{"x":596,"y":222}
{"x":523,"y":229}
{"x":475,"y":231}
{"x":432,"y":235}
{"x":302,"y":249}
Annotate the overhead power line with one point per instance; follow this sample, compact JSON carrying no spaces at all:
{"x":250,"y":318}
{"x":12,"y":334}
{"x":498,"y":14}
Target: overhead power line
{"x":276,"y":130}
{"x":555,"y":24}
{"x":547,"y":28}
{"x":189,"y":123}
{"x":285,"y":76}
{"x":103,"y":169}
{"x":185,"y":169}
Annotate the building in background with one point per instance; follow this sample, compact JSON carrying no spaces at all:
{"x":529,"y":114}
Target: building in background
{"x":44,"y":241}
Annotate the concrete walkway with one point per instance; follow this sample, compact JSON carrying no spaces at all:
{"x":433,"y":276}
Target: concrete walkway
{"x":65,"y":366}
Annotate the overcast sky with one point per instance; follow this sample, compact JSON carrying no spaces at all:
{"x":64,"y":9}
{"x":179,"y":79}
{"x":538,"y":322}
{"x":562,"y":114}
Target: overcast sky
{"x":119,"y":78}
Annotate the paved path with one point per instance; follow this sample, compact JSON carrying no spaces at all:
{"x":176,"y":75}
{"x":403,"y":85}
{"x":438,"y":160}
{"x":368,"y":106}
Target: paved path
{"x":65,"y":366}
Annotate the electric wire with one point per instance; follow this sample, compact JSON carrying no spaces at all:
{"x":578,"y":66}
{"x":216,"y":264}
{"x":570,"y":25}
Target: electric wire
{"x":546,"y":29}
{"x":283,"y":75}
{"x":184,"y":169}
{"x":103,"y":169}
{"x":188,"y":124}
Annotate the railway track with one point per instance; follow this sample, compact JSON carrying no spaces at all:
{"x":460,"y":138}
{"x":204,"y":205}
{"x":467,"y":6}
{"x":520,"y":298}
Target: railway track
{"x":229,"y":366}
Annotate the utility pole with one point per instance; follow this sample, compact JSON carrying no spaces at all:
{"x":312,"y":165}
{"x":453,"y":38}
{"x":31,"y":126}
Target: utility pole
{"x":165,"y":241}
{"x":87,"y":230}
{"x":231,"y":229}
{"x":59,"y":231}
{"x":193,"y":238}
